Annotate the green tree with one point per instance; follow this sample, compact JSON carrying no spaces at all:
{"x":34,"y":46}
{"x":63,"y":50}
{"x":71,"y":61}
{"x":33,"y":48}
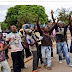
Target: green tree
{"x":63,"y":15}
{"x":71,"y":13}
{"x":26,"y":14}
{"x":4,"y":25}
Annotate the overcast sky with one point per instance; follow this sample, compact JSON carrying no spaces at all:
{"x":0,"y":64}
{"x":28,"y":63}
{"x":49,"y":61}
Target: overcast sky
{"x":48,"y":7}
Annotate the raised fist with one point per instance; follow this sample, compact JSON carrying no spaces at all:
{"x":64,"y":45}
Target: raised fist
{"x":58,"y":18}
{"x":36,"y":18}
{"x":52,"y":12}
{"x":6,"y":20}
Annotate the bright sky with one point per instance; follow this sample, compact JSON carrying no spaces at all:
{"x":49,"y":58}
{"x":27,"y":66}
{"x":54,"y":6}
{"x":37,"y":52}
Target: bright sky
{"x":48,"y":7}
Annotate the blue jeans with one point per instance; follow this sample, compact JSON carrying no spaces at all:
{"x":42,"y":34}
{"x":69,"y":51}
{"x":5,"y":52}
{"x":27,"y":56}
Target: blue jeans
{"x":62,"y":46}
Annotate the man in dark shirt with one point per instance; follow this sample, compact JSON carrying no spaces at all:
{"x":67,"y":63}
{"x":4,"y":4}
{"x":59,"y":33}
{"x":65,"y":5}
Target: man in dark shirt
{"x":61,"y":41}
{"x":46,"y":44}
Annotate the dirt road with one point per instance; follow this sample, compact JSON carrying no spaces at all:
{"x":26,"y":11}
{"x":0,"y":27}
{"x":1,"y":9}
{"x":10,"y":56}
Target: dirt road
{"x":56,"y":67}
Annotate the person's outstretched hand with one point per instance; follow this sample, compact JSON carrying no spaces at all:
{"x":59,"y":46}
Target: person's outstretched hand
{"x":36,"y":19}
{"x":52,"y":12}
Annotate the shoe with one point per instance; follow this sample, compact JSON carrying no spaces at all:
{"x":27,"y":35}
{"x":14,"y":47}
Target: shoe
{"x":60,"y":62}
{"x":39,"y":67}
{"x":52,"y":57}
{"x":49,"y":68}
{"x":35,"y":71}
{"x":45,"y":66}
{"x":25,"y":67}
{"x":70,"y":65}
{"x":63,"y":58}
{"x":42,"y":64}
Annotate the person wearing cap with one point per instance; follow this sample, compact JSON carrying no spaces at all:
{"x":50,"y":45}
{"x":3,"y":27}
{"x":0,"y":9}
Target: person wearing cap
{"x":22,"y":35}
{"x":61,"y":41}
{"x":32,"y":41}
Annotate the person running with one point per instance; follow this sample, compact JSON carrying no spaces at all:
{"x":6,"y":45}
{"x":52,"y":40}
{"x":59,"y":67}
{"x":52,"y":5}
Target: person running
{"x":61,"y":41}
{"x":46,"y":44}
{"x":14,"y":40}
{"x":4,"y":66}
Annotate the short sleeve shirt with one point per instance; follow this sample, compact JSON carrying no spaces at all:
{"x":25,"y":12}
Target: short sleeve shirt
{"x":14,"y":41}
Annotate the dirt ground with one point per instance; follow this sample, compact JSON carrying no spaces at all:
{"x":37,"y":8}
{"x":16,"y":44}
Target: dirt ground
{"x":56,"y":67}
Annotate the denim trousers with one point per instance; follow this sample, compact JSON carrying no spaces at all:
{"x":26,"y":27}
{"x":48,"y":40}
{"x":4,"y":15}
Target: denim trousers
{"x":62,"y":47}
{"x":46,"y":55}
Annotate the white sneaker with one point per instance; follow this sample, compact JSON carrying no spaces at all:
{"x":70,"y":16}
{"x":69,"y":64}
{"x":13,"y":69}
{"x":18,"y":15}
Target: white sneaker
{"x":42,"y":64}
{"x":60,"y":62}
{"x":25,"y":67}
{"x":52,"y":57}
{"x":70,"y":65}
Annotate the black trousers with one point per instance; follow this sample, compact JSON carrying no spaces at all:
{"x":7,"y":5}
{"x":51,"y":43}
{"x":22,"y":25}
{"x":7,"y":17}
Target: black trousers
{"x":22,"y":59}
{"x":39,"y":55}
{"x":34,"y":60}
{"x":51,"y":51}
{"x":28,"y":53}
{"x":16,"y":58}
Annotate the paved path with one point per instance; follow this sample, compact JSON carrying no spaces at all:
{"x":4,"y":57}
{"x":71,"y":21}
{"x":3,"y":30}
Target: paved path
{"x":56,"y":67}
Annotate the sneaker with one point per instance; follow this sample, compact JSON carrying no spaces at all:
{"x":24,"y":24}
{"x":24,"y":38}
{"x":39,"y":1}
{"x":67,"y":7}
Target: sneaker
{"x":45,"y":66}
{"x":63,"y":58}
{"x":42,"y":64}
{"x":52,"y":57}
{"x":25,"y":67}
{"x":39,"y":67}
{"x":49,"y":68}
{"x":60,"y":62}
{"x":70,"y":65}
{"x":35,"y":71}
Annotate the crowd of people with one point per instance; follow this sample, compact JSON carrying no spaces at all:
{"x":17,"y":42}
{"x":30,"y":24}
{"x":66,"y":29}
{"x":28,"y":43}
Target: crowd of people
{"x":37,"y":41}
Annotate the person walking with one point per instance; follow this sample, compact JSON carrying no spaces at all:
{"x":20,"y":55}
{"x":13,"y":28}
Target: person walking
{"x":14,"y":40}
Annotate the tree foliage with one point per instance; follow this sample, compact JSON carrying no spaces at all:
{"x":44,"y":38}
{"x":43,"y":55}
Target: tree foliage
{"x":71,"y":13}
{"x":4,"y":25}
{"x":25,"y":14}
{"x":63,"y":15}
